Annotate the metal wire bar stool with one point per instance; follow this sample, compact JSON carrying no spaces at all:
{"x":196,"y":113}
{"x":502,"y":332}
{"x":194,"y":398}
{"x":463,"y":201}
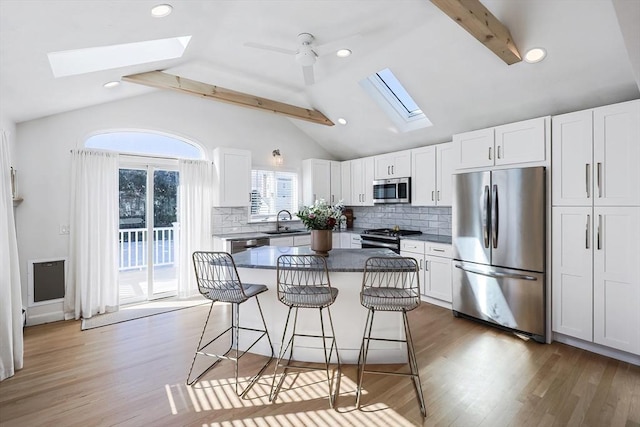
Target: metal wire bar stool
{"x":303,"y":282}
{"x":218,"y":280}
{"x":390,"y":284}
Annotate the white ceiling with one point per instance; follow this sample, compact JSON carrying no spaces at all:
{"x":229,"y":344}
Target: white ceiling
{"x":457,"y":82}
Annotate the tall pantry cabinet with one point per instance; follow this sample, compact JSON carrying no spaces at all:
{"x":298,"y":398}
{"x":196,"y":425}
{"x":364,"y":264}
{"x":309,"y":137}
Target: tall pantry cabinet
{"x":596,"y":225}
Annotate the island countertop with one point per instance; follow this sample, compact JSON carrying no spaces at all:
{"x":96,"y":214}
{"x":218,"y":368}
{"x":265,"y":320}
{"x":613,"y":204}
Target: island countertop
{"x":339,"y":260}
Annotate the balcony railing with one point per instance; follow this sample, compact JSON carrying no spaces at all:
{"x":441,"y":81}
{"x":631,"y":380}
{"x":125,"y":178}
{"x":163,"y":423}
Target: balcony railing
{"x":134,"y":247}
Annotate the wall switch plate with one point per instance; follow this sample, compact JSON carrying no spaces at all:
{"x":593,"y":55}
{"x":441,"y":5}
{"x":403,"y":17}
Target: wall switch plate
{"x":64,"y":229}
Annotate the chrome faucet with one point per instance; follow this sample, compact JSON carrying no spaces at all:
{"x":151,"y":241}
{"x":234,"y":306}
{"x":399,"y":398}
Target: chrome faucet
{"x":278,"y":219}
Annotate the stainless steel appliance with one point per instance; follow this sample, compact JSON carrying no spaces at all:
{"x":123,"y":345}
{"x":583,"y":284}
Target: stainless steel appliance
{"x":385,"y":238}
{"x":243,"y":245}
{"x":393,"y":190}
{"x":499,"y":244}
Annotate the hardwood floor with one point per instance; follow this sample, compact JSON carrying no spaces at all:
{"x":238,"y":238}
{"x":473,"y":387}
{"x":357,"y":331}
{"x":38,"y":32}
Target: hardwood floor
{"x":133,"y":374}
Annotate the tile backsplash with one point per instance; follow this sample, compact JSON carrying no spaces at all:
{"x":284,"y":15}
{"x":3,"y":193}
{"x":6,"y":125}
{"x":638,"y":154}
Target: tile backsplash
{"x":429,"y":220}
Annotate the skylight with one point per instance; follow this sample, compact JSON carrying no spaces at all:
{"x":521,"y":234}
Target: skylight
{"x":395,"y":101}
{"x":81,"y":61}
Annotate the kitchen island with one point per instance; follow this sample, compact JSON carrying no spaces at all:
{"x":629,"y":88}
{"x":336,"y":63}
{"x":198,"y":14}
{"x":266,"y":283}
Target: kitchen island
{"x":345,"y":267}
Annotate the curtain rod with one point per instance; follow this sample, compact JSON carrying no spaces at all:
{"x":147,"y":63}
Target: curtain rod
{"x":142,"y":155}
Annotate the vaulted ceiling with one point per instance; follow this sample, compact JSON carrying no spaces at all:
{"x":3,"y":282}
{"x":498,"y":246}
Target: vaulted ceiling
{"x":592,"y":60}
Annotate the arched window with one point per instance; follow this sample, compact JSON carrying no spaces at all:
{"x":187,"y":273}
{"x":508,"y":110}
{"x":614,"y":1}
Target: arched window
{"x":145,"y":143}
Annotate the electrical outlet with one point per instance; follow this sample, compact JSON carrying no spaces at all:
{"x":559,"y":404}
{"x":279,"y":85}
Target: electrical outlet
{"x":64,"y":229}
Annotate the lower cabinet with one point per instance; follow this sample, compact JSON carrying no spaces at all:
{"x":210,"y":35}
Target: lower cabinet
{"x":434,"y":260}
{"x":596,"y":275}
{"x":304,"y":240}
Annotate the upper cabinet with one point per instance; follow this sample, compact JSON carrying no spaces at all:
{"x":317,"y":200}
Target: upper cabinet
{"x":596,"y":155}
{"x":393,"y":165}
{"x":233,"y":177}
{"x":521,"y":142}
{"x":362,"y":181}
{"x":345,"y":182}
{"x":321,"y":179}
{"x":431,"y":179}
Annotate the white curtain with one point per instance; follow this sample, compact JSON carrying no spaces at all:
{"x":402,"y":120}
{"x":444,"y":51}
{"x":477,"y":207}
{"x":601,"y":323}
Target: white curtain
{"x":195,"y":196}
{"x":11,"y":344}
{"x":92,"y":282}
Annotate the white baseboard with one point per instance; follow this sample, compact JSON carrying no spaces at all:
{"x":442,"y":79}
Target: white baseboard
{"x":598,"y":349}
{"x":39,"y":319}
{"x":435,"y":301}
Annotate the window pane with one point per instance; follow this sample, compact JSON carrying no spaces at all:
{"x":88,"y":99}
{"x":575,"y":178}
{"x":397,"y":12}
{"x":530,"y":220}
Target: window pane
{"x":272,"y":191}
{"x":399,"y":91}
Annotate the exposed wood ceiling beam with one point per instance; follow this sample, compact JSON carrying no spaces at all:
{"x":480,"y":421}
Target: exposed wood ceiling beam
{"x":162,"y":80}
{"x":481,"y":24}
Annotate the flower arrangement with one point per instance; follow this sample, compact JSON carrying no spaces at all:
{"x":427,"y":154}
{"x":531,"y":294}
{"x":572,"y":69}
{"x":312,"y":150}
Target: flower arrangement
{"x":321,"y":215}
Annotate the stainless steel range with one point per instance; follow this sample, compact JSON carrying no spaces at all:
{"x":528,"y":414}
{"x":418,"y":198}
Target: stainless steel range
{"x":385,"y":238}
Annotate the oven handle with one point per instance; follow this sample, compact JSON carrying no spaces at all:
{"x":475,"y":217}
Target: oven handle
{"x":379,"y":244}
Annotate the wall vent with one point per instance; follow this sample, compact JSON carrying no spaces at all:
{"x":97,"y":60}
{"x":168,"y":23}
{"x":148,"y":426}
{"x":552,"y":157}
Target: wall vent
{"x":46,"y":281}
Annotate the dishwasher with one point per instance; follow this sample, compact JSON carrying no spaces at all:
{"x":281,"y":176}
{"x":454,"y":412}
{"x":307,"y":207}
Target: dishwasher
{"x":243,"y":245}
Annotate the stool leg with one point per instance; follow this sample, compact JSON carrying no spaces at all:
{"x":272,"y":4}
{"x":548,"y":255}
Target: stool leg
{"x":413,"y":364}
{"x":283,"y":348}
{"x":364,"y":351}
{"x":235,"y":321}
{"x":327,"y":358}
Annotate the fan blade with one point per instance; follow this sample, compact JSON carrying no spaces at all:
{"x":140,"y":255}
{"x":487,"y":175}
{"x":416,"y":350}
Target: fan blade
{"x":307,"y":72}
{"x":272,"y":48}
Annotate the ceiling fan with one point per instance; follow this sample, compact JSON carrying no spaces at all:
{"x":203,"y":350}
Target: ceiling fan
{"x":305,"y":55}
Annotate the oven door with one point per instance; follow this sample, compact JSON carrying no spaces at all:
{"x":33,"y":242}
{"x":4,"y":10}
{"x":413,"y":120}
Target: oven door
{"x":369,"y":241}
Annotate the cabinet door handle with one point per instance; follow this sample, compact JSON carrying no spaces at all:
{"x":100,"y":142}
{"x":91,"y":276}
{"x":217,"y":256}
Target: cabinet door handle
{"x":438,"y":195}
{"x":437,"y":250}
{"x":489,"y":153}
{"x":333,"y":198}
{"x":599,"y":229}
{"x":599,"y":179}
{"x":314,"y":197}
{"x":388,"y":168}
{"x":420,"y":264}
{"x":498,"y":151}
{"x":392,"y":172}
{"x":426,"y":265}
{"x":587,"y":179}
{"x":587,"y":232}
{"x":433,"y":196}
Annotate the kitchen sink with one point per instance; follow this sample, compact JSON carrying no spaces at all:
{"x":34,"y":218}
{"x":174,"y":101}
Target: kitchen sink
{"x":284,"y":232}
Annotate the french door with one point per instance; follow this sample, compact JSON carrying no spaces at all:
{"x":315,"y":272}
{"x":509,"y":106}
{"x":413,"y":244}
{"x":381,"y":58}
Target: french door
{"x":147,"y":250}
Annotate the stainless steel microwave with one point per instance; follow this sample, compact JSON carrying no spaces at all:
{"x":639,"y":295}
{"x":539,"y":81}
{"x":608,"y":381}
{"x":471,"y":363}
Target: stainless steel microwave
{"x":393,"y":190}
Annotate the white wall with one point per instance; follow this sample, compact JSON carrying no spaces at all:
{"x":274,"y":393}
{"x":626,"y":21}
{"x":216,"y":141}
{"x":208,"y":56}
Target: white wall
{"x":43,"y":146}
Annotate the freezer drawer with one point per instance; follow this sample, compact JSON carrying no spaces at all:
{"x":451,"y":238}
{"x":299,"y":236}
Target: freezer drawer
{"x":511,"y":298}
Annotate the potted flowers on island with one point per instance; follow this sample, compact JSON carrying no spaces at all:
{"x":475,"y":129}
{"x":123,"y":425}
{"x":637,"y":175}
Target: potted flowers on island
{"x":321,"y":218}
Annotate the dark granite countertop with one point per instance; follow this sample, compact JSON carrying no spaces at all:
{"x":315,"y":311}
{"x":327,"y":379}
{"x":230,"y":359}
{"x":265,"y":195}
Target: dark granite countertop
{"x":260,"y":234}
{"x":429,"y":238}
{"x":339,"y":260}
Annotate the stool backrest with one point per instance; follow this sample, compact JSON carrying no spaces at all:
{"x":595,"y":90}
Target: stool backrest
{"x":392,"y":272}
{"x":300,"y":271}
{"x":217,"y":276}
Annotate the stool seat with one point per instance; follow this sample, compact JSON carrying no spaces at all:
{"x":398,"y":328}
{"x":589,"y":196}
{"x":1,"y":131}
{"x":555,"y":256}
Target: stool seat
{"x":308,"y":296}
{"x":390,"y":299}
{"x":234,"y":293}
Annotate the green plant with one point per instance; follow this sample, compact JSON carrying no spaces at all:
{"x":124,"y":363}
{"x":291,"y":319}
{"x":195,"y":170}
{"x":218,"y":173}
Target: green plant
{"x":320,"y":215}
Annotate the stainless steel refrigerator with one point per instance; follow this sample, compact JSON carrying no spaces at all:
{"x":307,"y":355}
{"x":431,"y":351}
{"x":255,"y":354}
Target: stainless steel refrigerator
{"x":499,"y":243}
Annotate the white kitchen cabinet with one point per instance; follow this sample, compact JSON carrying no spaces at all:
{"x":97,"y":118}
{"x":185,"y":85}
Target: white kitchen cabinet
{"x":345,"y":182}
{"x":356,"y":241}
{"x":572,"y":273}
{"x":362,"y":181}
{"x":596,"y":156}
{"x":596,"y":275}
{"x":431,"y":183}
{"x":393,"y":165}
{"x":304,"y":240}
{"x":321,"y":179}
{"x":616,"y":278}
{"x":335,"y":195}
{"x":434,"y":260}
{"x":514,"y":143}
{"x":232,"y":186}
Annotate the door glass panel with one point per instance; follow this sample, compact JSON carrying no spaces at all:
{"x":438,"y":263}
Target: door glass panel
{"x":132,"y":236}
{"x":165,"y":204}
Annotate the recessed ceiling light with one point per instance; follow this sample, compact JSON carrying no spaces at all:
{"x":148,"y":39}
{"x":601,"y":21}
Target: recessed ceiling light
{"x":534,"y":55}
{"x":343,"y":53}
{"x":161,"y":10}
{"x":342,"y":121}
{"x":109,"y":85}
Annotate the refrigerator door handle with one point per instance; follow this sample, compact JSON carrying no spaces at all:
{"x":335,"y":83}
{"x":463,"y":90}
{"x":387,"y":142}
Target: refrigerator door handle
{"x":485,"y":216}
{"x":496,"y":274}
{"x":494,"y":216}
